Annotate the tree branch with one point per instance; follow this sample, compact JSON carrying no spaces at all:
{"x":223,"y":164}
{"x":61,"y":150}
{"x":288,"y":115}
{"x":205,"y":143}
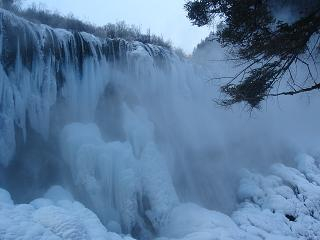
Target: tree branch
{"x":314,"y":87}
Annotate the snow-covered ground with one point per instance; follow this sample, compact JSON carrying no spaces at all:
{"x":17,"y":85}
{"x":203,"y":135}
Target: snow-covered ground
{"x":55,"y":216}
{"x":284,"y":205}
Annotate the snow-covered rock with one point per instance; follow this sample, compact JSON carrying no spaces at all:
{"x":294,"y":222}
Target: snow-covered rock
{"x":191,"y":222}
{"x":52,"y":219}
{"x":281,"y":206}
{"x":284,"y":205}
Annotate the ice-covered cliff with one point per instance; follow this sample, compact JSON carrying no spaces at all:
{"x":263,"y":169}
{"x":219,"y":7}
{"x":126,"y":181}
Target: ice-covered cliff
{"x":41,"y":65}
{"x":50,"y":80}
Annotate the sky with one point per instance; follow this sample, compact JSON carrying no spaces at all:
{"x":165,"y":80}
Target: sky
{"x":162,"y":17}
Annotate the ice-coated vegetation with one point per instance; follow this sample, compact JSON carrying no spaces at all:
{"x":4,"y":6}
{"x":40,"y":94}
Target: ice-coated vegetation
{"x":109,"y":139}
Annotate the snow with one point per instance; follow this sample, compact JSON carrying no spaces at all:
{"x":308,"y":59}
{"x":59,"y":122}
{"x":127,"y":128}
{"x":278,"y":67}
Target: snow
{"x":5,"y":197}
{"x":189,"y":221}
{"x":267,"y":202}
{"x":50,"y":219}
{"x":284,"y":205}
{"x":57,"y":193}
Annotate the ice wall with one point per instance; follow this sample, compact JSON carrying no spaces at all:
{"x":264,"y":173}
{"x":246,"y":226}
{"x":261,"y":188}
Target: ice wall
{"x":40,"y":66}
{"x":51,"y":78}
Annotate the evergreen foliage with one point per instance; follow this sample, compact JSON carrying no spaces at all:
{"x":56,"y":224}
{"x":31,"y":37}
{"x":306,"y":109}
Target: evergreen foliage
{"x":268,"y":46}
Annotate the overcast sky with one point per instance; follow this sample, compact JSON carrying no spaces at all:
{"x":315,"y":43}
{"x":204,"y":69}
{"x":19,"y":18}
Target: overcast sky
{"x":163,"y":17}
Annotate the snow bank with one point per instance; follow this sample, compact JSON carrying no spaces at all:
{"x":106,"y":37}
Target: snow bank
{"x":191,"y":222}
{"x":50,"y":219}
{"x":282,"y":206}
{"x":285,"y":205}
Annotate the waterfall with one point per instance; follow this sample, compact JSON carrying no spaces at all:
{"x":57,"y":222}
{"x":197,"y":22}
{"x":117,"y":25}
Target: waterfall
{"x":130,"y":132}
{"x":90,"y":103}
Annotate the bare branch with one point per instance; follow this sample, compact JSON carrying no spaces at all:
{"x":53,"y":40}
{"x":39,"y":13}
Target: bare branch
{"x":302,"y":90}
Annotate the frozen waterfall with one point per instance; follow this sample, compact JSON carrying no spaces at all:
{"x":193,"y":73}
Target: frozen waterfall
{"x":127,"y":135}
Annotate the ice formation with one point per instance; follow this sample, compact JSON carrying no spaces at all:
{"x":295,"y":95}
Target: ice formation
{"x":284,"y":205}
{"x":52,"y":78}
{"x":41,"y":65}
{"x":123,"y":187}
{"x":128,"y":128}
{"x":54,"y":218}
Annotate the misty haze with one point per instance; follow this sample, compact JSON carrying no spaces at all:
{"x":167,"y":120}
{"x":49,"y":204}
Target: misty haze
{"x":166,"y":120}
